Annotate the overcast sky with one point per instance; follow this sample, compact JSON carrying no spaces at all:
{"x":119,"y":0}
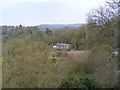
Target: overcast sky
{"x":35,"y":12}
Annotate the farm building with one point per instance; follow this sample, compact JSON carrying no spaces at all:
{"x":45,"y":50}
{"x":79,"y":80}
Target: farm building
{"x":62,"y":46}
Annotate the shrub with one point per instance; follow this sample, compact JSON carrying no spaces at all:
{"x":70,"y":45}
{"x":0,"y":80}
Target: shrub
{"x":61,"y":53}
{"x":78,"y":80}
{"x":3,"y":61}
{"x":107,"y":47}
{"x":53,"y":60}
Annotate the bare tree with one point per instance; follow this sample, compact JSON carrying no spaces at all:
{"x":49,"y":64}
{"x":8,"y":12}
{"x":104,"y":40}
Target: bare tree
{"x":105,"y":14}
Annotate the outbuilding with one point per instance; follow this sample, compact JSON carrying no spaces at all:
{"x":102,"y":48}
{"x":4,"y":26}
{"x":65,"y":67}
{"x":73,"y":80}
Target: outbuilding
{"x":62,"y":46}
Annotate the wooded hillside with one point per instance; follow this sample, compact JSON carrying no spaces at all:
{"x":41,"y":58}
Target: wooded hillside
{"x":29,"y":61}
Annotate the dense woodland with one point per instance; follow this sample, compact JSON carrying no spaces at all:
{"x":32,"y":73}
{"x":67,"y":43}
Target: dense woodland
{"x":30,"y":61}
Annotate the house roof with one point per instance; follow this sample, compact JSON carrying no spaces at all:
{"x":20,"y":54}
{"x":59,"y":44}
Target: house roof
{"x":64,"y":44}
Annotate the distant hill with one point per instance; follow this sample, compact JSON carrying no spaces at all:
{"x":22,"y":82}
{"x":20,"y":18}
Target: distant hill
{"x":58,"y":26}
